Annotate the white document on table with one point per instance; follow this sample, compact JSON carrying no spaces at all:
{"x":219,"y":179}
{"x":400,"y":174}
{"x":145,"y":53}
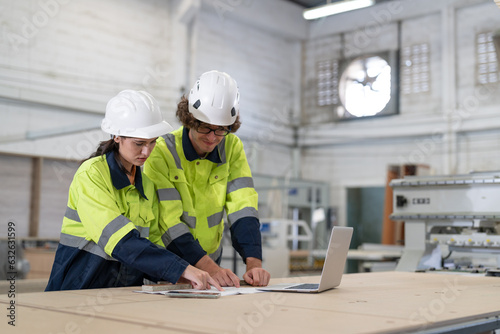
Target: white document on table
{"x":228,"y":291}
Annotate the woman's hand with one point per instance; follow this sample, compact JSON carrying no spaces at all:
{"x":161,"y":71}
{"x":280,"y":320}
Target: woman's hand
{"x":199,"y":279}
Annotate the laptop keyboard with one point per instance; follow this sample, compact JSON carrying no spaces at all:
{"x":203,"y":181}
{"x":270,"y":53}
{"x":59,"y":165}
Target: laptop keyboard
{"x":305,"y":286}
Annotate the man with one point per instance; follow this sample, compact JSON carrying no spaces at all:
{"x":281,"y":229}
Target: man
{"x":201,"y":171}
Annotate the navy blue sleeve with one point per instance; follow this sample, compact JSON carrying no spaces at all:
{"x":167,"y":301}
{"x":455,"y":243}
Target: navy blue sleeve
{"x":187,"y":248}
{"x":246,"y":238}
{"x":141,"y":254}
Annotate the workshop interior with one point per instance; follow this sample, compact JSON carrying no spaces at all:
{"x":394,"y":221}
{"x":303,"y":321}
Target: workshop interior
{"x":383,"y":117}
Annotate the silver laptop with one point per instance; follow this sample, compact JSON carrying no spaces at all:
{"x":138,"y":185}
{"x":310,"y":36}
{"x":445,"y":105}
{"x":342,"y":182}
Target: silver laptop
{"x":333,"y":267}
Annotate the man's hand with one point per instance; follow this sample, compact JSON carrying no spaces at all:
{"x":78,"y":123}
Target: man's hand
{"x":199,"y":279}
{"x":225,"y":277}
{"x":256,"y":275}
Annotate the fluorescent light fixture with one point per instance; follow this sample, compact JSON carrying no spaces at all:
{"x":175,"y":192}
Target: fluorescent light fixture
{"x":336,"y":8}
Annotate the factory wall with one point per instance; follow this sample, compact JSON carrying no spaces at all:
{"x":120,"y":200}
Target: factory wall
{"x":266,"y":65}
{"x":62,"y":60}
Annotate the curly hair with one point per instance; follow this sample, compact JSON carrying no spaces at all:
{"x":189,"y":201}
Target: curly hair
{"x":187,"y":119}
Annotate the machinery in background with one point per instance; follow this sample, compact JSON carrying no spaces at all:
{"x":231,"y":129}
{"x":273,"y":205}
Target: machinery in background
{"x":33,"y":257}
{"x":373,"y":257}
{"x":451,"y":222}
{"x":12,"y":260}
{"x":297,"y":199}
{"x":280,"y":252}
{"x":285,"y":233}
{"x":280,"y":240}
{"x":298,"y":228}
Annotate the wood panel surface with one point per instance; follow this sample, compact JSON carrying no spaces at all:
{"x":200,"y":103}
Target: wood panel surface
{"x":386,"y":302}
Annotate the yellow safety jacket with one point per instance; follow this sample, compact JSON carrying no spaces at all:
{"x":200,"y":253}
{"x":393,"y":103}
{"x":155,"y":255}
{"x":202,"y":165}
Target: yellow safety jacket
{"x":105,"y":231}
{"x":195,"y":193}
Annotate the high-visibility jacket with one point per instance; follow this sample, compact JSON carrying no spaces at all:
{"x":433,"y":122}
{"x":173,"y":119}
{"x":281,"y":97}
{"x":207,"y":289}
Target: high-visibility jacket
{"x":105,"y":231}
{"x":195,"y":192}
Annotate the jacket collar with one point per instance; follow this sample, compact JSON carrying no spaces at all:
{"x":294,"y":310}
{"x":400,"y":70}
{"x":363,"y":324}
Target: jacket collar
{"x":120,"y":179}
{"x":190,"y":152}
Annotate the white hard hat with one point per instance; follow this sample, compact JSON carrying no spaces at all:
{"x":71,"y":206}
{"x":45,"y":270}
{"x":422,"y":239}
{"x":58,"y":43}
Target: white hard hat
{"x":214,"y":99}
{"x":134,"y":114}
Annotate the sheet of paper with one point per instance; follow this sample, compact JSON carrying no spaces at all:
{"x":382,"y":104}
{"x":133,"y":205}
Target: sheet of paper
{"x":228,"y":291}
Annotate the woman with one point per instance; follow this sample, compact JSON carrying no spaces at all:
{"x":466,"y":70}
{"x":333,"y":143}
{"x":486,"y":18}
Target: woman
{"x":110,"y":227}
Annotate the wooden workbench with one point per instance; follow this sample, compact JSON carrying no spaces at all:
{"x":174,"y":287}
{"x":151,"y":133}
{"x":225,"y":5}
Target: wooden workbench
{"x":385,"y":302}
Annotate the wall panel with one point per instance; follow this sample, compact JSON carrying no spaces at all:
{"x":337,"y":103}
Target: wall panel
{"x":72,"y":63}
{"x":266,"y":68}
{"x":413,"y":34}
{"x":56,"y":179}
{"x":15,"y":178}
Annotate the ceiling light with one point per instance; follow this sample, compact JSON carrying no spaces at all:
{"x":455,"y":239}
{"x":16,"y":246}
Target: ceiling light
{"x":332,"y":8}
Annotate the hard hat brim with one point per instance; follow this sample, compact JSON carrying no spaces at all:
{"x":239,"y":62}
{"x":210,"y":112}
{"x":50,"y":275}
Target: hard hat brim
{"x":149,"y":132}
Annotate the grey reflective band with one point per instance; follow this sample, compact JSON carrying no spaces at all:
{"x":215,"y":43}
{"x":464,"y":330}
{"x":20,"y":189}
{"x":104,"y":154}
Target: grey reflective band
{"x":170,"y":141}
{"x":215,"y":219}
{"x":215,"y":255}
{"x":83,"y":244}
{"x":245,"y":212}
{"x":143,"y":231}
{"x":72,"y":214}
{"x":168,"y":194}
{"x":173,"y":233}
{"x":72,"y":241}
{"x":110,"y":229}
{"x":239,"y":183}
{"x":188,"y":220}
{"x":222,"y":151}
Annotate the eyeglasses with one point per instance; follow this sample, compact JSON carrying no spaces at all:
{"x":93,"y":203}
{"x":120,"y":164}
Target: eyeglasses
{"x":221,"y":132}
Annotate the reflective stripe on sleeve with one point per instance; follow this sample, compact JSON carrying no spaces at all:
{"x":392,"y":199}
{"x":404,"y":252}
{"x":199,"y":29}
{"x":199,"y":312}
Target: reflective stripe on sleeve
{"x":174,"y":232}
{"x":215,"y":255}
{"x":245,"y":212}
{"x":188,"y":220}
{"x":72,"y":214}
{"x":110,"y":229}
{"x":170,"y":141}
{"x":143,"y":231}
{"x":215,"y":219}
{"x":239,"y":183}
{"x":83,"y":244}
{"x":222,"y":151}
{"x":168,"y":194}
